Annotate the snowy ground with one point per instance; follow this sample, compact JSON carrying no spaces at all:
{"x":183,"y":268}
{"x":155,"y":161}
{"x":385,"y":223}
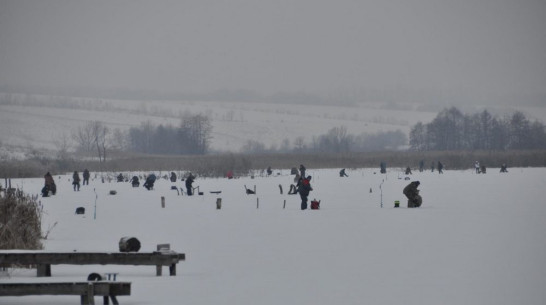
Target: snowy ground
{"x":477,"y":239}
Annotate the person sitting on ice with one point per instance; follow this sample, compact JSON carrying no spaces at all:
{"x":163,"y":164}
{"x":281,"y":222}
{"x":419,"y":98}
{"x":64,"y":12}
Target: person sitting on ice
{"x":503,"y":168}
{"x":408,"y":171}
{"x":412,"y":193}
{"x":135,"y":182}
{"x":342,"y":173}
{"x":150,"y":180}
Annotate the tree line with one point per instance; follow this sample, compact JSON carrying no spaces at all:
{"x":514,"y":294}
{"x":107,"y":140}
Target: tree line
{"x":453,"y":130}
{"x":335,"y":140}
{"x":191,"y":137}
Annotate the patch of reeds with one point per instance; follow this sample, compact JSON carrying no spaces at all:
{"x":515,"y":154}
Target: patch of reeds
{"x":20,"y":221}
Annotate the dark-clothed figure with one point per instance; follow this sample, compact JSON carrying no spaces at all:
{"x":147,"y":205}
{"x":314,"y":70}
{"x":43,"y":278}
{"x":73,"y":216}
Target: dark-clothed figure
{"x":269,"y":171}
{"x":412,"y":193}
{"x":408,"y":171}
{"x":483,"y":169}
{"x":173,"y":177}
{"x":503,"y":168}
{"x":421,"y":166}
{"x":302,"y":170}
{"x":149,"y":183}
{"x":304,"y":187}
{"x":135,"y":182}
{"x":76,"y":181}
{"x":342,"y":173}
{"x":49,"y":185}
{"x":189,"y":181}
{"x":86,"y":176}
{"x":383,"y":167}
{"x":440,"y":167}
{"x":120,"y":177}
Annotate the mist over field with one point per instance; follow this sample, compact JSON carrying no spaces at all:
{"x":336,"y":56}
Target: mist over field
{"x":441,"y":52}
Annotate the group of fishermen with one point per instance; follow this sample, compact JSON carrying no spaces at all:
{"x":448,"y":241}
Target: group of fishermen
{"x":50,"y":188}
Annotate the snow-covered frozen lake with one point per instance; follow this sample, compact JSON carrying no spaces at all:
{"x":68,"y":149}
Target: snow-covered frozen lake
{"x":477,"y":239}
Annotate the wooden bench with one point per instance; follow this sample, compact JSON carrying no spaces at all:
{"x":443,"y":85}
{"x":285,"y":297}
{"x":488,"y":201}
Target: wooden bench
{"x":86,"y":290}
{"x":44,"y":260}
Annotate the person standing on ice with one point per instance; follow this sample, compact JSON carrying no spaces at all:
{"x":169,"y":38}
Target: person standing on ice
{"x":76,"y":181}
{"x":189,"y":187}
{"x":477,"y":167}
{"x":304,"y":187}
{"x":302,"y":171}
{"x":86,"y":176}
{"x":412,"y":193}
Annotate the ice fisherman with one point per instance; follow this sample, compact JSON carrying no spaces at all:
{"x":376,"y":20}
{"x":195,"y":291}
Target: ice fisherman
{"x":76,"y":181}
{"x":86,"y":176}
{"x":412,"y":193}
{"x":149,"y":183}
{"x":304,"y":187}
{"x":189,"y":181}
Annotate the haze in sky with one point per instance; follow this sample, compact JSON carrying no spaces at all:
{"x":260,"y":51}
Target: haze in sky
{"x":473,"y":50}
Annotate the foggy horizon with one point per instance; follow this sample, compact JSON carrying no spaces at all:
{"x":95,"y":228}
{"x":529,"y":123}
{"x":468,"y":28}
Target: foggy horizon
{"x":483,"y":51}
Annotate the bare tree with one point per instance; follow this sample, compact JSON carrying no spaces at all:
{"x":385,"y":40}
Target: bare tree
{"x":100,"y":133}
{"x":84,"y":137}
{"x":62,"y":142}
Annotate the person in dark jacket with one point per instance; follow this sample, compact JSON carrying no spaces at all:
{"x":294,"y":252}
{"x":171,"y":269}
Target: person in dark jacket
{"x":408,"y":171}
{"x":49,"y":184}
{"x":503,"y":168}
{"x":302,"y":170}
{"x":86,"y":176}
{"x":173,"y":177}
{"x":383,"y":167}
{"x":149,"y":183}
{"x":76,"y":181}
{"x":304,"y":187}
{"x":342,"y":173}
{"x":189,"y":182}
{"x":440,"y":167}
{"x":135,"y":182}
{"x":412,"y":193}
{"x":120,"y":177}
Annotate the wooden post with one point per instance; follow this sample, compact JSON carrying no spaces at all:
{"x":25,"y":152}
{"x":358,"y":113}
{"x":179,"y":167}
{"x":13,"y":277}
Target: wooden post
{"x":158,"y":270}
{"x":172,"y":270}
{"x":43,"y":270}
{"x":163,"y":201}
{"x":89,"y":297}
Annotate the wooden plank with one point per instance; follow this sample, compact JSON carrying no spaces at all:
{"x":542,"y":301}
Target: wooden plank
{"x":65,"y":288}
{"x":91,"y":258}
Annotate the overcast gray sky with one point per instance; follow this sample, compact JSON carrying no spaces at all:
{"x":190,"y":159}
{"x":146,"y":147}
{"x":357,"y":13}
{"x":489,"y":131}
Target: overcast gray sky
{"x":480,"y":48}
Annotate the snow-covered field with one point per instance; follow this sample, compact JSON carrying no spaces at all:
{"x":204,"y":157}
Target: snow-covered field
{"x":477,"y":239}
{"x":234,"y":123}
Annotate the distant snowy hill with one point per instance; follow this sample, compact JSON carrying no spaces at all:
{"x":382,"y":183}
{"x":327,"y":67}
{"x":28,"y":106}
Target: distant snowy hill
{"x":40,"y":122}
